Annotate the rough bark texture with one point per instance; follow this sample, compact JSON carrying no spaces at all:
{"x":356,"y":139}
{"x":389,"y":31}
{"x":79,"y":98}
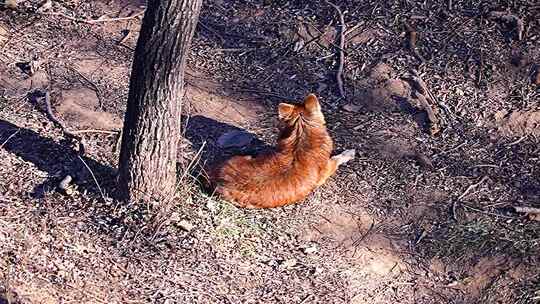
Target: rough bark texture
{"x":147,"y":167}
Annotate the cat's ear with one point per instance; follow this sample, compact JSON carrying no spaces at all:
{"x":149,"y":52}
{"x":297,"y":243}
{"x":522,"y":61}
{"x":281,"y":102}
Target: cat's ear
{"x":285,"y":110}
{"x":311,"y":103}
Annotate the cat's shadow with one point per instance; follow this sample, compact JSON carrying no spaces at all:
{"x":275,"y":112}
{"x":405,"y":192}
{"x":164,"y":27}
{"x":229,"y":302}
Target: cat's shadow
{"x":204,"y":135}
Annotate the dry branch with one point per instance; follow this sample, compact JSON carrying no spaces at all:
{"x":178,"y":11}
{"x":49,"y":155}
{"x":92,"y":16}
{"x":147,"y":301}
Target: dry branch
{"x":530,"y":210}
{"x":95,"y":131}
{"x":339,"y":73}
{"x":94,"y":21}
{"x":471,"y":187}
{"x":54,"y":119}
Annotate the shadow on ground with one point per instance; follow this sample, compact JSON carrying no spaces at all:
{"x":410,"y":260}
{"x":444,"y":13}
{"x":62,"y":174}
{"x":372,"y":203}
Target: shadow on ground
{"x":58,"y":159}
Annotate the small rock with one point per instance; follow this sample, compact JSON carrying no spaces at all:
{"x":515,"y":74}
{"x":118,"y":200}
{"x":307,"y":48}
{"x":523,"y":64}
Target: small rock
{"x":185,"y":225}
{"x":290,"y":263}
{"x":234,"y":139}
{"x":352,"y":108}
{"x":321,"y":87}
{"x":64,"y":183}
{"x":310,"y":250}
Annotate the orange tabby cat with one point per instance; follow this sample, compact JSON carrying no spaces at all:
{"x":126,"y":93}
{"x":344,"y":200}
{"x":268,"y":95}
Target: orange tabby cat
{"x":300,"y":163}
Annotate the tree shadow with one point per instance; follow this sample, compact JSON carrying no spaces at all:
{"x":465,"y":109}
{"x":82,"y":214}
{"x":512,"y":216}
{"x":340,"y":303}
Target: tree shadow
{"x":55,"y":158}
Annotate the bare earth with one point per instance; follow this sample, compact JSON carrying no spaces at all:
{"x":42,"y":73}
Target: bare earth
{"x":415,"y":218}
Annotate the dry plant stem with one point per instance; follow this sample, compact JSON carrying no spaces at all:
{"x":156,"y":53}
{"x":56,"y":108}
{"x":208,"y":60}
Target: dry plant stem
{"x":54,"y":119}
{"x":527,"y":210}
{"x":92,"y":85}
{"x":94,"y":21}
{"x":471,"y":187}
{"x":10,"y":137}
{"x":95,"y":131}
{"x":93,"y":176}
{"x":127,"y":34}
{"x":339,"y":73}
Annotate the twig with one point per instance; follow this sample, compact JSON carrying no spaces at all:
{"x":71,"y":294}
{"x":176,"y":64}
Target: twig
{"x":118,"y":141}
{"x":527,"y":210}
{"x":10,"y":137}
{"x":522,"y":138}
{"x":307,"y":299}
{"x":339,"y":73}
{"x":451,"y":149}
{"x":458,"y":200}
{"x":91,"y":84}
{"x":127,"y":34}
{"x":94,"y":21}
{"x":52,"y":117}
{"x":265,"y":93}
{"x":488,"y":213}
{"x":95,"y":131}
{"x":93,"y":176}
{"x":471,"y":187}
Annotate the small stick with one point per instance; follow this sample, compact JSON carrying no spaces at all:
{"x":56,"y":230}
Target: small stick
{"x":10,"y":137}
{"x":471,"y":187}
{"x":95,"y":131}
{"x":339,"y":74}
{"x":451,"y":149}
{"x":93,"y":85}
{"x":94,"y":21}
{"x":55,"y":120}
{"x":93,"y":176}
{"x":127,"y":34}
{"x":527,"y":210}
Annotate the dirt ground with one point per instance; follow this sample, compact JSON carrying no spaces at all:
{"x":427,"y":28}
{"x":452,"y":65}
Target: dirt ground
{"x":417,"y":217}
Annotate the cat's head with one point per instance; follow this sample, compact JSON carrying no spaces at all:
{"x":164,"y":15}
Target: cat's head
{"x":309,"y":111}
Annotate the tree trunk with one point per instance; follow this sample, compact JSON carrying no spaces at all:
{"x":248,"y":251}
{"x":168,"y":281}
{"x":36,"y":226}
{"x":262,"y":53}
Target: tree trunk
{"x":147,"y":166}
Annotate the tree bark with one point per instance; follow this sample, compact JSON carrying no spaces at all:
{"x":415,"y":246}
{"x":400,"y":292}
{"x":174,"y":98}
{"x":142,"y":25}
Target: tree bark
{"x":147,"y":165}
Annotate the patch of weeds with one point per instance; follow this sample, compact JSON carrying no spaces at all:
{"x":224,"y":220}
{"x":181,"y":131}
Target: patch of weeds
{"x":234,"y":227}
